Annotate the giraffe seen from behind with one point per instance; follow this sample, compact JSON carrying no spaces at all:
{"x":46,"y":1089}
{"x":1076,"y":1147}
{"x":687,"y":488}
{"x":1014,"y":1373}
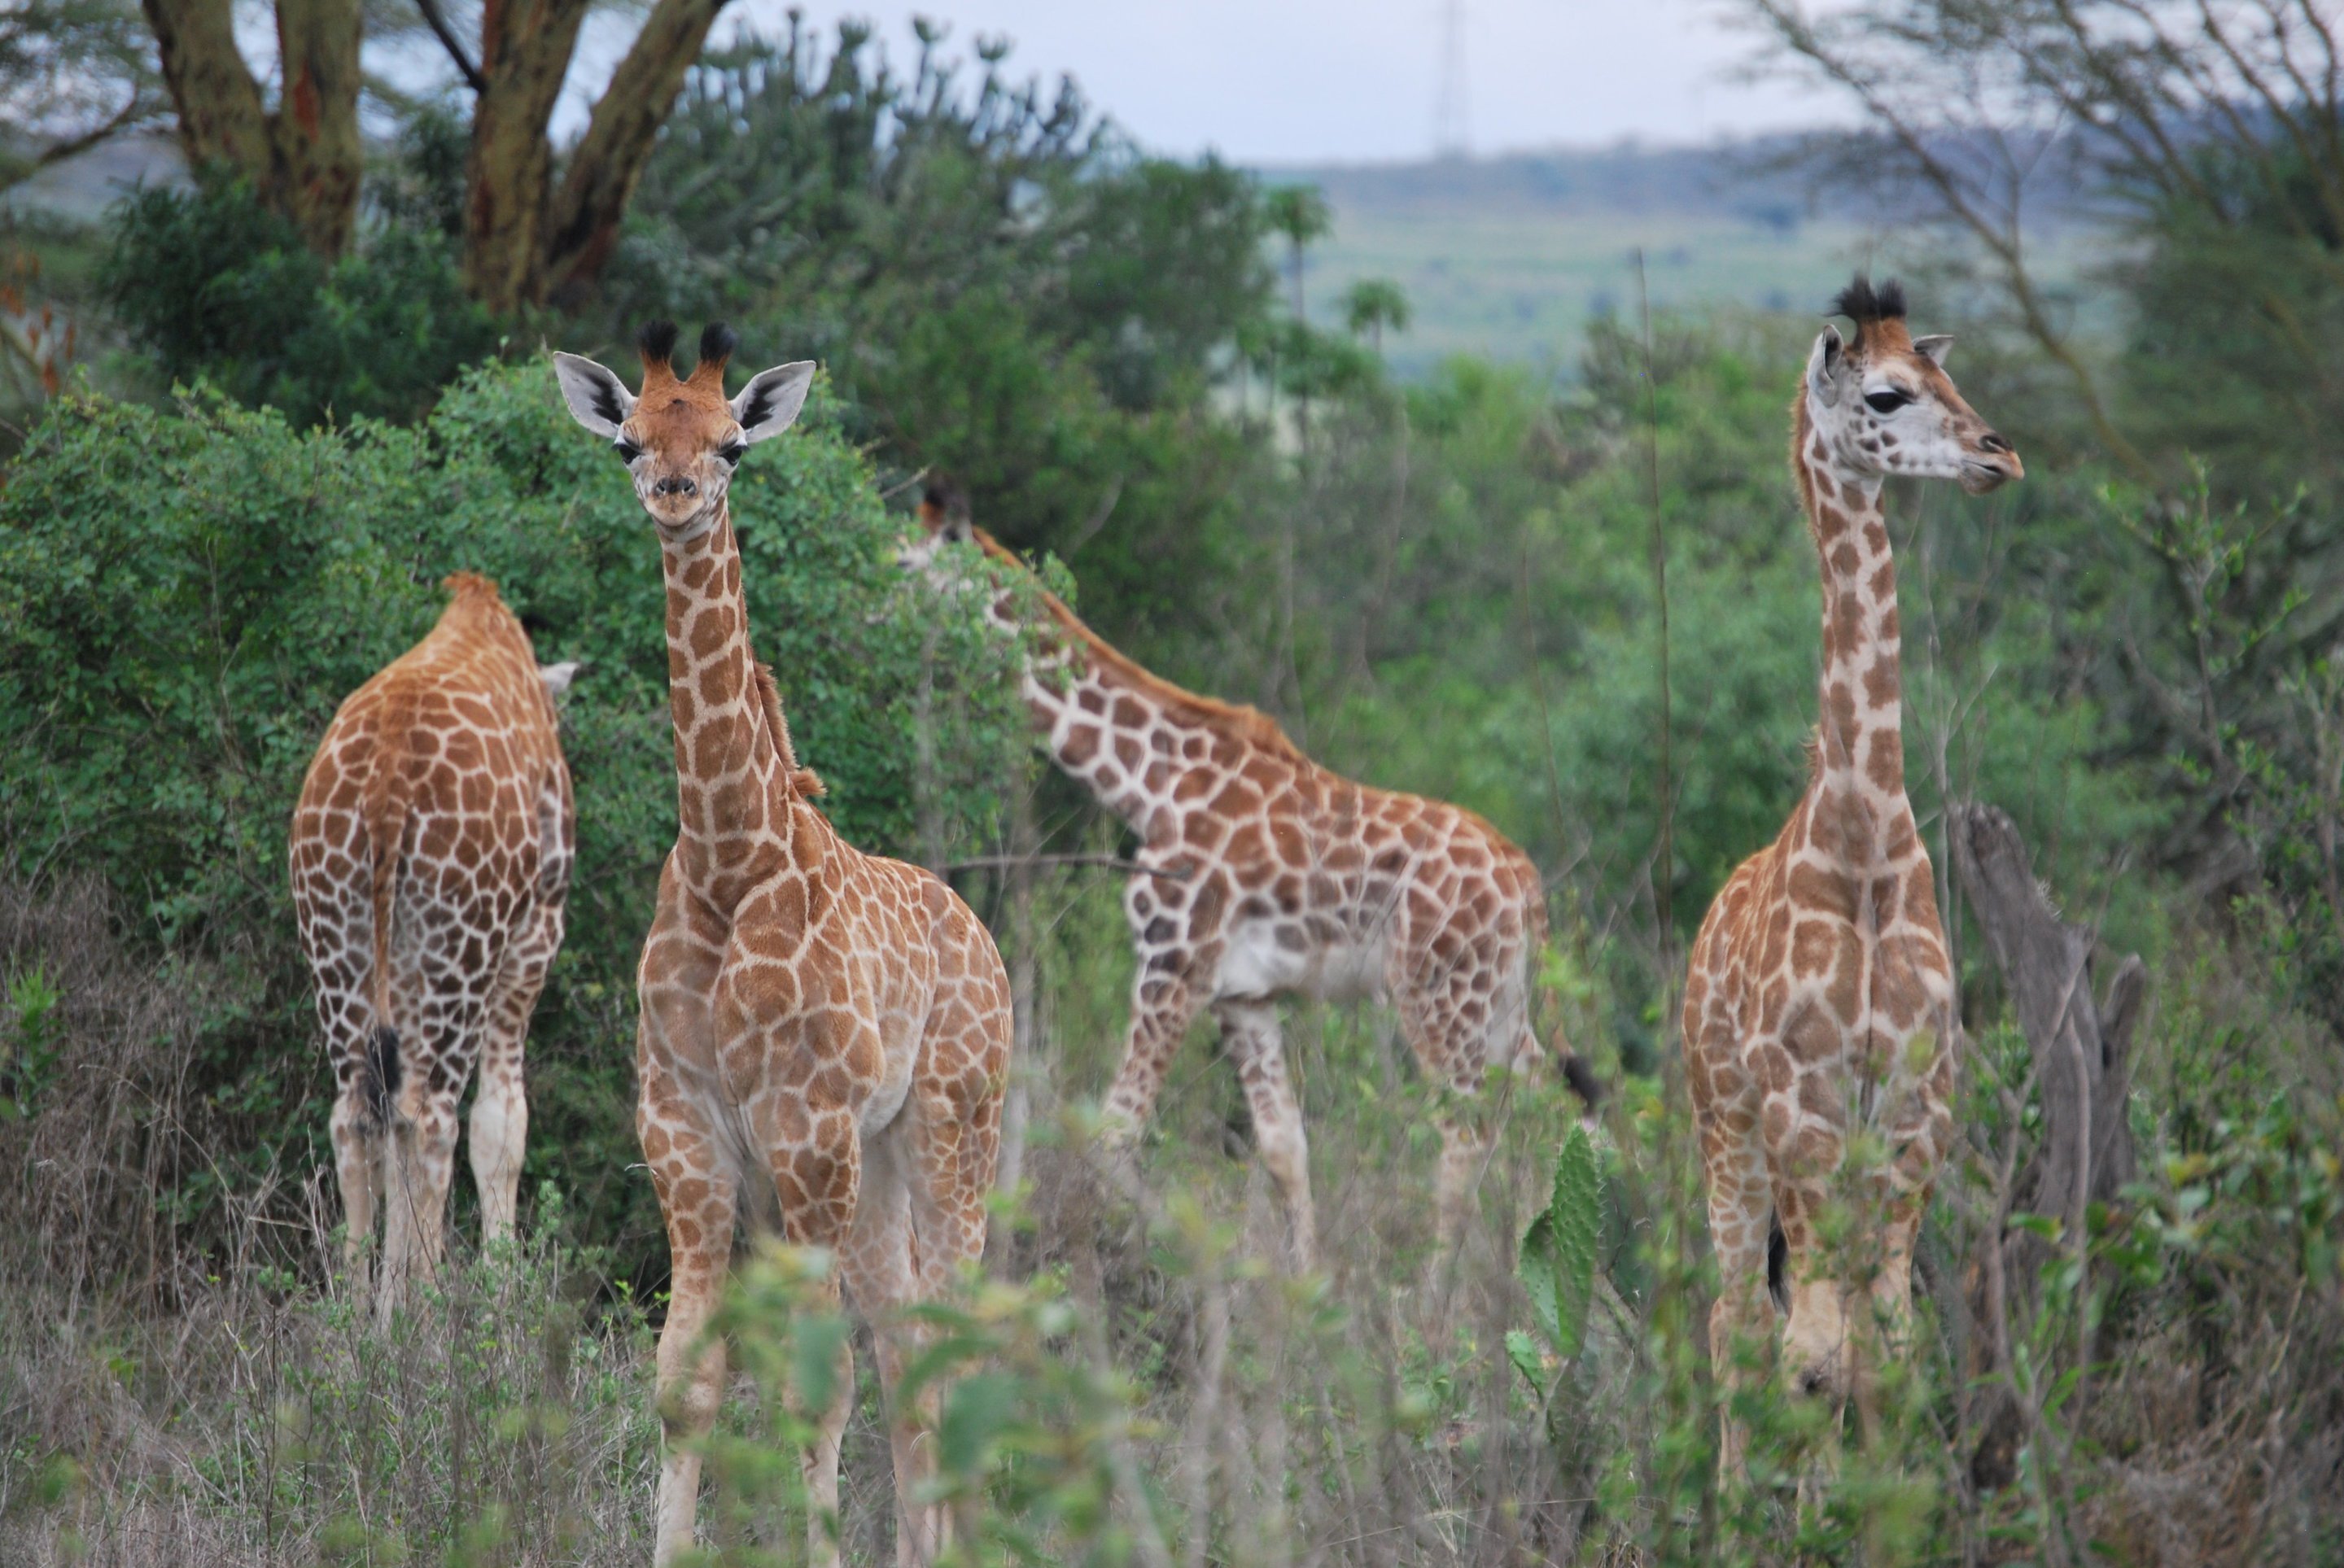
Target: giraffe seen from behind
{"x":1264,"y":876}
{"x":823,"y":1043}
{"x":1819,"y":1004}
{"x":430,"y":854}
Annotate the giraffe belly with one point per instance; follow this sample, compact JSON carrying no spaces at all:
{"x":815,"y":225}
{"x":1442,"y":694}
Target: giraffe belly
{"x":1268,"y":958}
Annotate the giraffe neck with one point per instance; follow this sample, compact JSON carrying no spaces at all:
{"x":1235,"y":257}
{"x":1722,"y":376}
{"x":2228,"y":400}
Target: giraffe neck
{"x":1860,"y":742}
{"x":732,"y":768}
{"x":1117,"y":739}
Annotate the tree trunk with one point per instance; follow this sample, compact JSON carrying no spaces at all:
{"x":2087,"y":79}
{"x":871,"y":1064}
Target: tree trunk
{"x":2082,"y":1055}
{"x":609,"y":158}
{"x":319,"y":157}
{"x":525,"y":49}
{"x":524,"y":241}
{"x":304,"y":157}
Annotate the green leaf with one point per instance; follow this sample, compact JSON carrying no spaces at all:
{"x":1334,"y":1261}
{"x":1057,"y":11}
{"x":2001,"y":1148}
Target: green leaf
{"x":1523,"y":1351}
{"x":813,"y":1358}
{"x":978,"y":1410}
{"x":1557,"y":1267}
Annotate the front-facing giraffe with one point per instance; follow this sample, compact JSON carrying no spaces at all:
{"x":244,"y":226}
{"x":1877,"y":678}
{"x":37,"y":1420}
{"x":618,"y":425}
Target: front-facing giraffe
{"x":824,"y":1036}
{"x":1819,"y":1003}
{"x":1263,"y":876}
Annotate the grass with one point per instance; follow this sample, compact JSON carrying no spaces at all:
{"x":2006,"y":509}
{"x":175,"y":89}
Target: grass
{"x":1131,"y":1383}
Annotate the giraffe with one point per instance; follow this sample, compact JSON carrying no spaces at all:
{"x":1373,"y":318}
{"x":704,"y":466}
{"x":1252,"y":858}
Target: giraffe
{"x":824,"y":1036}
{"x":1262,"y":876}
{"x":430,"y":853}
{"x":1819,"y":1003}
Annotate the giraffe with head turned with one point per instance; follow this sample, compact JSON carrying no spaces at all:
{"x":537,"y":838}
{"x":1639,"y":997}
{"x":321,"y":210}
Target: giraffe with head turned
{"x":430,"y":853}
{"x":1263,"y":876}
{"x":824,"y":1036}
{"x":1819,"y":1004}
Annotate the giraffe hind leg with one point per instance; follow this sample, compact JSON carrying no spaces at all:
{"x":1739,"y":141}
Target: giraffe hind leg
{"x":498,"y":1133}
{"x":357,"y":1166}
{"x":1250,"y":1030}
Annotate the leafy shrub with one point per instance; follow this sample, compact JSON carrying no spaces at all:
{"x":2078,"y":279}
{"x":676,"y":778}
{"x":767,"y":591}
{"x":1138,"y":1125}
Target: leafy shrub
{"x":215,"y":285}
{"x":186,"y":596}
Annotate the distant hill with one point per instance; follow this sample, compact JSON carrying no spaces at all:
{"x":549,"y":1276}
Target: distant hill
{"x":1508,"y":257}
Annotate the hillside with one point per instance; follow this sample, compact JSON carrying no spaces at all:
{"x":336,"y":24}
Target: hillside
{"x":1507,"y":257}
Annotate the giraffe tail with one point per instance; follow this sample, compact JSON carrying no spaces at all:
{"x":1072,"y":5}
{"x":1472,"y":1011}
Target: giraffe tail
{"x":1575,"y":1071}
{"x":385,"y":809}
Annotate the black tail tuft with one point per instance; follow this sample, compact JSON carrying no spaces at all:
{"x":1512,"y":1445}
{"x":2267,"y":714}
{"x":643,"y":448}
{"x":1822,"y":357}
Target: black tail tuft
{"x":1582,"y":1079}
{"x":1778,"y":1265}
{"x":379,"y":1082}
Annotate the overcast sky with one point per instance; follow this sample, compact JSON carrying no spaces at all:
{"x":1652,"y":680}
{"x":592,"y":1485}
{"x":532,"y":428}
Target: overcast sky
{"x":1288,"y":81}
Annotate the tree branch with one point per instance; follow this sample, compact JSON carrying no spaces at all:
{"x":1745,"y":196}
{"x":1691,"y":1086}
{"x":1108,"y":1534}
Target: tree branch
{"x":437,"y":20}
{"x":583,"y":223}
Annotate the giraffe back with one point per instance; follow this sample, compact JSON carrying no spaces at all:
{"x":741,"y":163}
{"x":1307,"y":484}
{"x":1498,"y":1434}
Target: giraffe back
{"x":434,"y":824}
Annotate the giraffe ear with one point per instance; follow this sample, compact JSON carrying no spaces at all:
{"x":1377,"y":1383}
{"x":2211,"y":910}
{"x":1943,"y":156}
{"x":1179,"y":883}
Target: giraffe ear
{"x":769,"y":404}
{"x":1826,"y":365}
{"x":558,"y":676}
{"x":598,"y":400}
{"x":1935,"y":347}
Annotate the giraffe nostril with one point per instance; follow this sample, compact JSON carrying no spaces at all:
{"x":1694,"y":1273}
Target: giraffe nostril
{"x":1993,"y":442}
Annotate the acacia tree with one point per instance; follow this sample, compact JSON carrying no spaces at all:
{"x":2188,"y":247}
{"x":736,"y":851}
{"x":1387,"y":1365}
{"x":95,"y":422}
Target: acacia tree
{"x":536,"y":227}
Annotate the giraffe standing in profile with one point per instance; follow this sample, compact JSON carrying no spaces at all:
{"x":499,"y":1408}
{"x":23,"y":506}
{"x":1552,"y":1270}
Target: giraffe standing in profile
{"x":825,"y":1039}
{"x":1819,"y":1003}
{"x":1263,"y":875}
{"x":431,"y":857}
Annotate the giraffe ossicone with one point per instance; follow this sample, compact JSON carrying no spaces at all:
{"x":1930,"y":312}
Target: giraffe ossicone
{"x":824,"y":1044}
{"x":1265,"y":876}
{"x":430,"y":854}
{"x":1819,"y":1003}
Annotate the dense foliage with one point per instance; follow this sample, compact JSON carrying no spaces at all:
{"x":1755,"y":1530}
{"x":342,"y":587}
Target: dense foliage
{"x":189,"y":593}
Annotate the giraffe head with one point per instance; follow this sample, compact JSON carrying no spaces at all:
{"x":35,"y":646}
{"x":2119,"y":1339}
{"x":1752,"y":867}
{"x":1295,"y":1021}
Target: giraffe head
{"x":681,"y":437}
{"x":944,"y":519}
{"x":1883,"y":404}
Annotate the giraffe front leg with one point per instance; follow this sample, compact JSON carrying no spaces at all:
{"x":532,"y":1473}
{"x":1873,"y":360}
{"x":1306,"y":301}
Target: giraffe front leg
{"x":698,"y":1197}
{"x":1163,"y":1005}
{"x":816,"y":1160}
{"x":1250,"y":1030}
{"x":1742,"y":1318}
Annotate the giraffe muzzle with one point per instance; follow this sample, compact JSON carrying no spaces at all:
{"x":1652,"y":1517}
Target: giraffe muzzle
{"x":676,"y":485}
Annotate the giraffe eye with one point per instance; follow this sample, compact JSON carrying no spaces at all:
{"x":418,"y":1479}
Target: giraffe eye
{"x":627,"y":451}
{"x":1887,"y":401}
{"x":731,"y":452}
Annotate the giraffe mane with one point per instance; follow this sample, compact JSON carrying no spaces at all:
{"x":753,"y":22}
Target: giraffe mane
{"x":805,"y":781}
{"x":1248,"y":724}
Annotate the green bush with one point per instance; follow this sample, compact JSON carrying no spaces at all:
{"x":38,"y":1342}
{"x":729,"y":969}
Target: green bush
{"x":211,"y":284}
{"x":186,"y":596}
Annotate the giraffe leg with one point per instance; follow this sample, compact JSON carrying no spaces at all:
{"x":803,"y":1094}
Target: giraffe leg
{"x":949,"y":1158}
{"x":421,"y":1158}
{"x":358,"y":1163}
{"x":1163,"y":1005}
{"x":698,"y":1194}
{"x":1886,"y":1338}
{"x":499,"y":1130}
{"x":881,"y":1267}
{"x":1464,"y":1154}
{"x":1250,"y":1030}
{"x":1741,"y":1319}
{"x":817,"y":1167}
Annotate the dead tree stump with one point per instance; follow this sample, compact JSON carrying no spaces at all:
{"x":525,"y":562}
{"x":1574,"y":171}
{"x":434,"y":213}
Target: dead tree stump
{"x":2082,"y":1051}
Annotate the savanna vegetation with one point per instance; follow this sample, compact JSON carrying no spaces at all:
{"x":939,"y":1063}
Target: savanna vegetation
{"x":1583,"y":606}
